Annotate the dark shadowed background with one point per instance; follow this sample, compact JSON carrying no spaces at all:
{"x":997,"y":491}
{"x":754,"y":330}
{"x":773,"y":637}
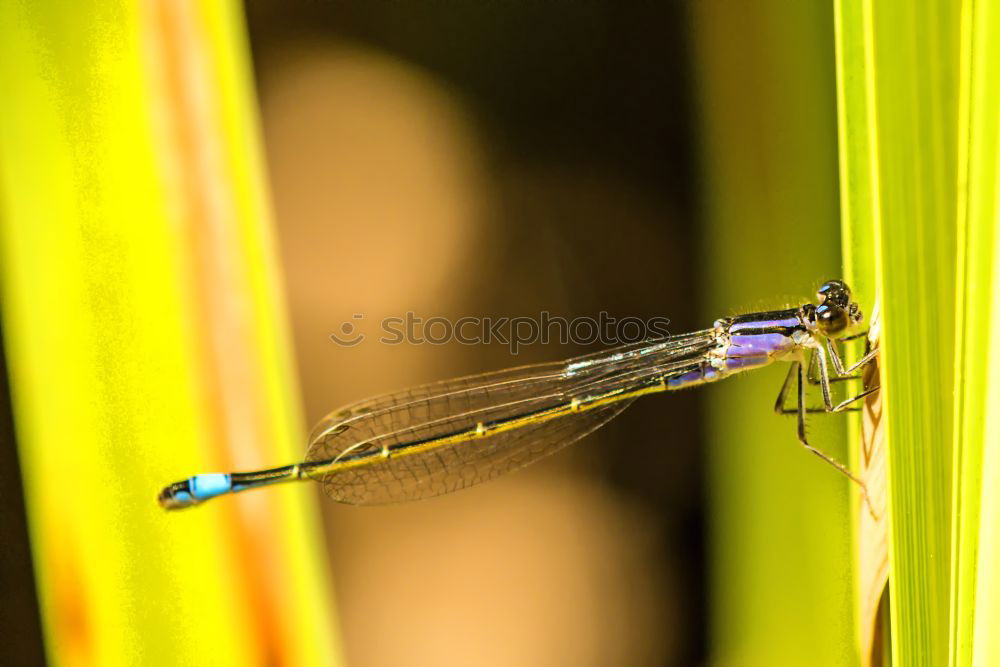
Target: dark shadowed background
{"x":496,"y":159}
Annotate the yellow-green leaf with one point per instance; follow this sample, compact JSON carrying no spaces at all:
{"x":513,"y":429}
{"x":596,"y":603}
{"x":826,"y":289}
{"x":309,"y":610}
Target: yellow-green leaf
{"x":146,"y":338}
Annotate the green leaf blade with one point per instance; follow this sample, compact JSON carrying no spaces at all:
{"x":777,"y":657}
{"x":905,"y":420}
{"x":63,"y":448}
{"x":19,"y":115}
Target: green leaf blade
{"x":975,"y":600}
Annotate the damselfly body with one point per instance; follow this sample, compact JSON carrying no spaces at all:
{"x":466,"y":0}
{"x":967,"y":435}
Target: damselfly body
{"x":442,"y":437}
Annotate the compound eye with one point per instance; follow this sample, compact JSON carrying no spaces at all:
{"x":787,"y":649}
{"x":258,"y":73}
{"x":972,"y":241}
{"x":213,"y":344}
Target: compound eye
{"x":831,"y":320}
{"x":831,"y":286}
{"x":836,"y":292}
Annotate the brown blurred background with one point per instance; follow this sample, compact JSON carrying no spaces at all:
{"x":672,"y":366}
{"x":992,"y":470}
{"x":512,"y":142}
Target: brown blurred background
{"x":495,"y":159}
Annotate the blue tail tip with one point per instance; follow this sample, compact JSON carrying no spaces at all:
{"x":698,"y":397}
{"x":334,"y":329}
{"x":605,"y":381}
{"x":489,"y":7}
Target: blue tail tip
{"x":177,"y":496}
{"x":194,"y":490}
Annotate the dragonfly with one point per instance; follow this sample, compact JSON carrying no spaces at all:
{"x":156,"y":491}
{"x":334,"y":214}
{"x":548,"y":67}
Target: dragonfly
{"x":441,"y":437}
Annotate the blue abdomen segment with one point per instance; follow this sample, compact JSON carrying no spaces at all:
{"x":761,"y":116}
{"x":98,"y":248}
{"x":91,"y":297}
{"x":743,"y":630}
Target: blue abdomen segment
{"x":209,"y":485}
{"x":194,"y":490}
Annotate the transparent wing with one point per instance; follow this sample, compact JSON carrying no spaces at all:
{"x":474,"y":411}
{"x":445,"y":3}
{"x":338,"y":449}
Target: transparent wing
{"x":445,"y":436}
